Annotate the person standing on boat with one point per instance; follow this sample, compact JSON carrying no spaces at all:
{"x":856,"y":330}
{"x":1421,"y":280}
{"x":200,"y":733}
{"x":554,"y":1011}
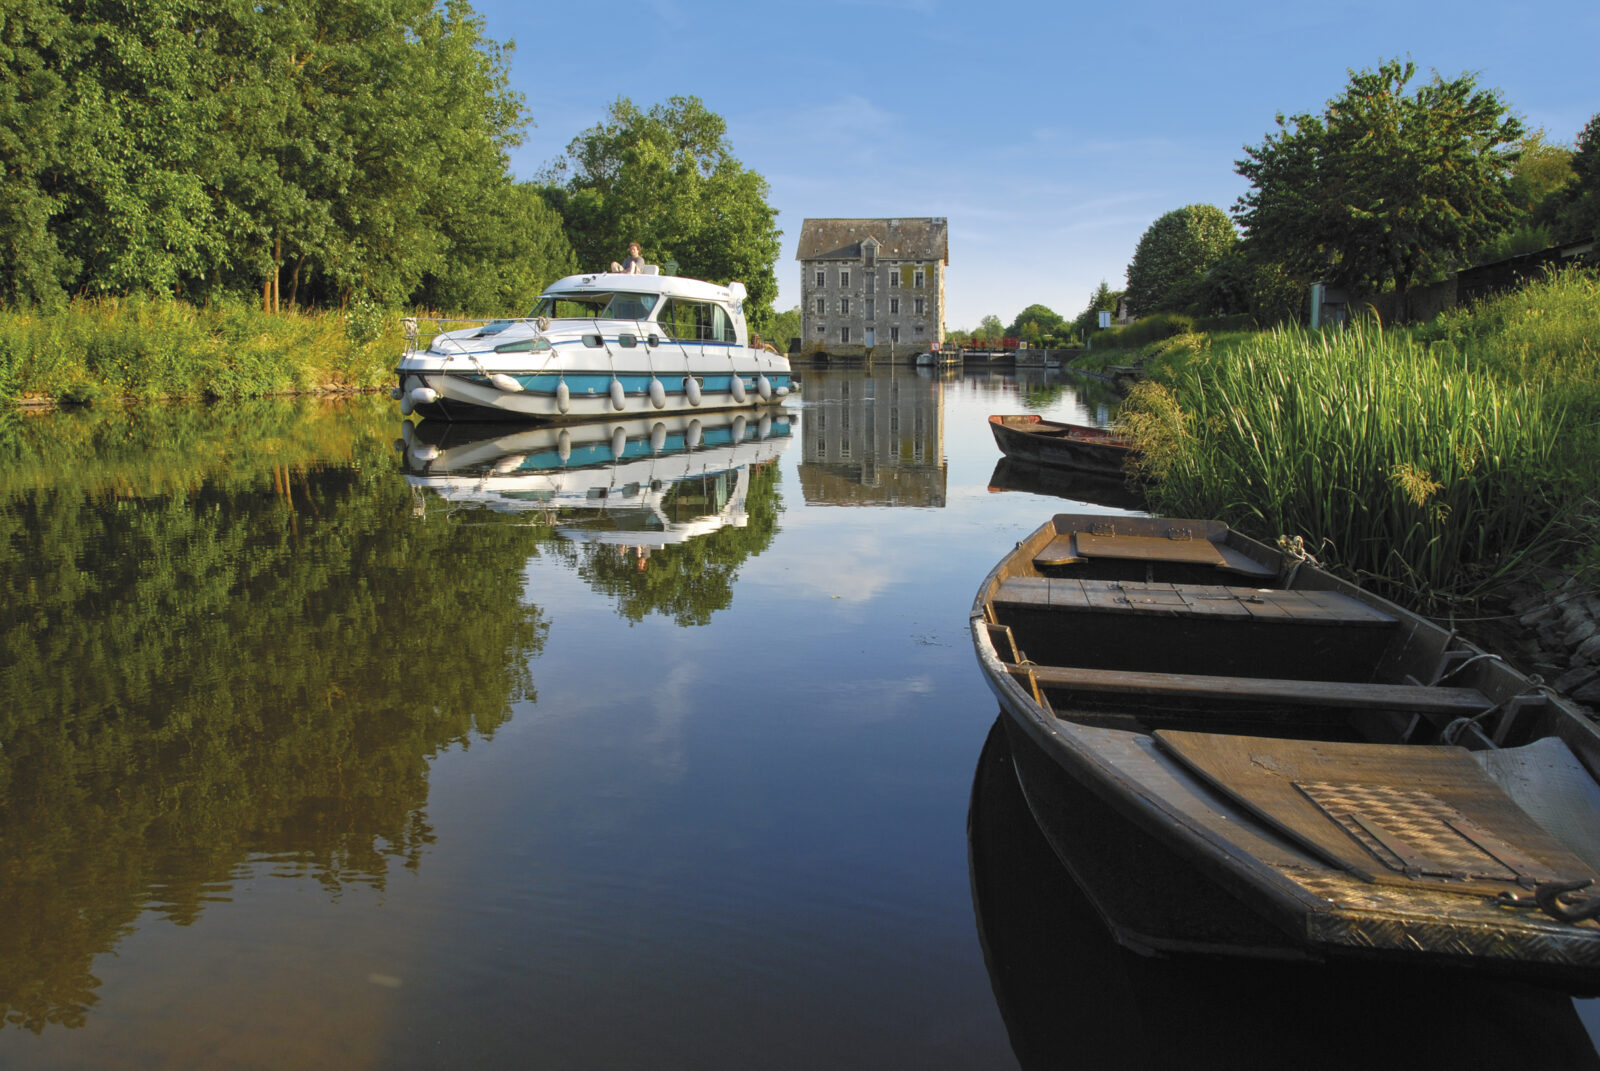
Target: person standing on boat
{"x":634,"y":263}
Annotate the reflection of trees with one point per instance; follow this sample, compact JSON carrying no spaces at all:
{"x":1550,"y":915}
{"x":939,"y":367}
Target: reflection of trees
{"x":688,"y":581}
{"x":251,"y":665}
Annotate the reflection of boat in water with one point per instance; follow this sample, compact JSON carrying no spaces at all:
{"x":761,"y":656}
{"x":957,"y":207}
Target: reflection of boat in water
{"x":1237,"y":752}
{"x":1090,"y":487}
{"x":643,"y":483}
{"x":1028,"y":437}
{"x":1071,"y":997}
{"x":595,"y":346}
{"x":937,"y":359}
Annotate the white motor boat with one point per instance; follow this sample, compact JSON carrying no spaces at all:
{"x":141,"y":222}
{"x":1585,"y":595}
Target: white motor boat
{"x":596,"y":346}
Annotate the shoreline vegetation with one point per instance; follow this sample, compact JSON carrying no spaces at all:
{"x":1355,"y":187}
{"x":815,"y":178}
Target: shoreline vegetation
{"x":1443,"y":462}
{"x":160,"y":349}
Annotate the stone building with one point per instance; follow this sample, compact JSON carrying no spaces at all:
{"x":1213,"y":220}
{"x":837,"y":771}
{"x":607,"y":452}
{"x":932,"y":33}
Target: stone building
{"x":872,"y":287}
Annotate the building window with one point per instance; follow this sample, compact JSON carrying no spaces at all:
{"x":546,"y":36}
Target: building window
{"x":822,"y":329}
{"x":869,"y":339}
{"x":822,"y":306}
{"x":894,"y":306}
{"x":822,"y":277}
{"x":871,"y":307}
{"x":844,"y":306}
{"x":894,"y":278}
{"x":844,"y":278}
{"x":917,"y":330}
{"x":916,"y":279}
{"x":894,"y":334}
{"x":844,"y":334}
{"x":921,"y":306}
{"x":870,"y":254}
{"x":872,"y":282}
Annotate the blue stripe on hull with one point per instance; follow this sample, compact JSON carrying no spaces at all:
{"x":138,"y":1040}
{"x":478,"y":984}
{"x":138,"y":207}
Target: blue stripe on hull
{"x":591,"y":384}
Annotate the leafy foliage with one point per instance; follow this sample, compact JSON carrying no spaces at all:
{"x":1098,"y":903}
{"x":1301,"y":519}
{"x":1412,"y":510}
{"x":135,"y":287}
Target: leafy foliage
{"x":1573,"y":211}
{"x":1104,"y":299}
{"x":1174,"y":258}
{"x":305,"y":153}
{"x":668,"y":179}
{"x":1036,"y":323}
{"x":1382,"y":187}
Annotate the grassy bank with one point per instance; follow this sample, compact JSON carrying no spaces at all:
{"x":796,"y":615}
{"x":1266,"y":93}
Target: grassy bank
{"x":1441,"y":460}
{"x":151,"y":348}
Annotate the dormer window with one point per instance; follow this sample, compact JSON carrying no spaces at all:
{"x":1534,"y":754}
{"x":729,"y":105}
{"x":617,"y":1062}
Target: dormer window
{"x":869,"y":253}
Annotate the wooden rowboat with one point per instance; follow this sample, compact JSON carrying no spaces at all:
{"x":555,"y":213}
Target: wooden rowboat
{"x":1234,"y":751}
{"x":1026,"y":437}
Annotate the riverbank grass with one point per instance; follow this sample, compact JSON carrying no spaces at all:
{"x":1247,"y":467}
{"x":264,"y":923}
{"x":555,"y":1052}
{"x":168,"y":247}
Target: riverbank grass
{"x":149,"y":348}
{"x":1437,"y":465}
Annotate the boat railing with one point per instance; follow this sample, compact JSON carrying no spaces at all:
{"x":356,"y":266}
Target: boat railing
{"x":421,"y":331}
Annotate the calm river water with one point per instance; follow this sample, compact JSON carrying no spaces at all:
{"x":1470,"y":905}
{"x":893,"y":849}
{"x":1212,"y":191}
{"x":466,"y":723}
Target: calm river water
{"x":505,"y":753}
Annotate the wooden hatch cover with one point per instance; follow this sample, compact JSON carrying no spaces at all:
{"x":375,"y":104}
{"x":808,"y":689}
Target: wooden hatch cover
{"x":1191,"y":545}
{"x":1394,"y":814}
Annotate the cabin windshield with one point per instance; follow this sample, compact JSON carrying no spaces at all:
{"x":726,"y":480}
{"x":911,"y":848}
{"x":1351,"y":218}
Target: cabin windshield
{"x":596,"y":306}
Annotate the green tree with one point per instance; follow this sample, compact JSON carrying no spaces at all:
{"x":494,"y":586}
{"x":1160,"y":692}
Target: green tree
{"x":1104,"y":299}
{"x":1382,"y":187}
{"x":990,"y":327}
{"x":195,"y":147}
{"x":1046,"y":321}
{"x":1573,"y":212}
{"x":668,"y":179}
{"x":1174,"y":257}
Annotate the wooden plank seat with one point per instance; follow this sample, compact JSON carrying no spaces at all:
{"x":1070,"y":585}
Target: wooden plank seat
{"x":1201,"y":601}
{"x":1451,"y":702}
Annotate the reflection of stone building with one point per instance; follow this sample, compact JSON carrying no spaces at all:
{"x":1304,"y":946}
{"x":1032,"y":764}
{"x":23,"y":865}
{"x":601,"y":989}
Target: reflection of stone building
{"x":873,"y":440}
{"x":872,"y":286}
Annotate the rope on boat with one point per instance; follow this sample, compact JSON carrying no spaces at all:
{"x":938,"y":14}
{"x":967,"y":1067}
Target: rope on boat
{"x":1548,"y":896}
{"x":1293,"y":548}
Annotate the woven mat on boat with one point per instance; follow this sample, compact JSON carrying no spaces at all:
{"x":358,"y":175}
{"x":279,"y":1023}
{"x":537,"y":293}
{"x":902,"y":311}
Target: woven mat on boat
{"x":1399,"y":814}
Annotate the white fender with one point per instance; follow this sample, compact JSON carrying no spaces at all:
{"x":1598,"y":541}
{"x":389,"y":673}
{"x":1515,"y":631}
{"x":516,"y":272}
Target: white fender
{"x":424,"y":452}
{"x":764,"y":426}
{"x":658,"y":437}
{"x":563,"y":397}
{"x":618,"y":397}
{"x":509,"y":463}
{"x":781,"y":392}
{"x":564,"y":443}
{"x":407,"y":432}
{"x":505,"y":382}
{"x":691,"y":388}
{"x":658,"y":393}
{"x":406,"y":405}
{"x":691,"y":437}
{"x":764,"y":388}
{"x":619,"y":442}
{"x":737,"y":386}
{"x":424,"y":395}
{"x":738,"y":428}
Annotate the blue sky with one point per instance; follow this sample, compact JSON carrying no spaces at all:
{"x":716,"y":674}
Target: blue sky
{"x":1051,"y":135}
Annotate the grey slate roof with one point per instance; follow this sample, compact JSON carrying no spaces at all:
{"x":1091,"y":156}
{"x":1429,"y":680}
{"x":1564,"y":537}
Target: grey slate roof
{"x":904,"y":238}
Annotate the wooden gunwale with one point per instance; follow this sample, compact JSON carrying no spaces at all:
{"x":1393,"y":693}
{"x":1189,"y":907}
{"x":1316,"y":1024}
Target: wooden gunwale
{"x":1311,"y":920}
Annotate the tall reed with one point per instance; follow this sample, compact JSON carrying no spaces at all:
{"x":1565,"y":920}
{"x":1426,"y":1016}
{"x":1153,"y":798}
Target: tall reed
{"x":1396,"y":463}
{"x":156,"y":348}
